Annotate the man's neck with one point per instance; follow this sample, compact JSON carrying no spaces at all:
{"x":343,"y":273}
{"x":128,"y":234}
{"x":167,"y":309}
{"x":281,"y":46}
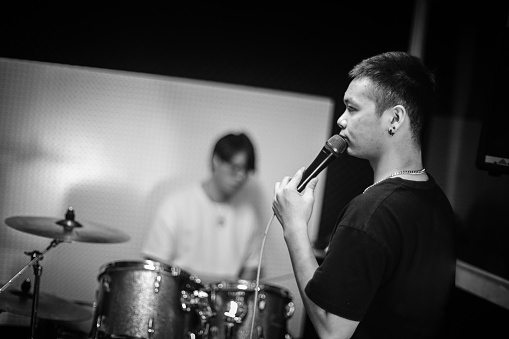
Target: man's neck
{"x":213,"y":192}
{"x":397,"y":162}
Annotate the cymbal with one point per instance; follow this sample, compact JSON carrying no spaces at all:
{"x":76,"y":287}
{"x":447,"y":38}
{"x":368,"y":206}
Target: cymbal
{"x":67,"y":229}
{"x":49,"y":307}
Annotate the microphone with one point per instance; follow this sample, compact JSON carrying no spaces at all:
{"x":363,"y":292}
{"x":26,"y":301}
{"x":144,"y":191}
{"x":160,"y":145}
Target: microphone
{"x":332,"y":150}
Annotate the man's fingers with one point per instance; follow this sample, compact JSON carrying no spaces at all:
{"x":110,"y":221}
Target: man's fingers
{"x":296,"y":178}
{"x":310,"y":187}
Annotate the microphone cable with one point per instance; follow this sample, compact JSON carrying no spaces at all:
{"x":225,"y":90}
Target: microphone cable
{"x":255,"y":303}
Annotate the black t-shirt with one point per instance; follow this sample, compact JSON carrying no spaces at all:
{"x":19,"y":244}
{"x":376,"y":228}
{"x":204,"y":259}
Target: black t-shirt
{"x":390,"y":263}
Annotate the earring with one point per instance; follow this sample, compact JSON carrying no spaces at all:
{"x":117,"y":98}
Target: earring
{"x":391,"y":131}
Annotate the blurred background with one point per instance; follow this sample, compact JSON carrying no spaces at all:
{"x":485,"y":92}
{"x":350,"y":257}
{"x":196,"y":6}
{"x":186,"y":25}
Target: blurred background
{"x":103,"y":108}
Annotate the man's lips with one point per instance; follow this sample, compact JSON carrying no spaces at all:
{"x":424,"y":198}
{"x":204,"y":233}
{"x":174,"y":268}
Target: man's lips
{"x":344,"y":138}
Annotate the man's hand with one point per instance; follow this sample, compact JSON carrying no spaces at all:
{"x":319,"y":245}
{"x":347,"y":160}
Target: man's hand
{"x":290,"y":206}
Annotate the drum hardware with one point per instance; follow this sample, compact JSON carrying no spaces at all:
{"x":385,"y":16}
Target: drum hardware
{"x":289,"y":310}
{"x":235,"y":313}
{"x":61,"y":230}
{"x":198,"y":302}
{"x":150,"y":328}
{"x":157,"y":283}
{"x":235,"y":309}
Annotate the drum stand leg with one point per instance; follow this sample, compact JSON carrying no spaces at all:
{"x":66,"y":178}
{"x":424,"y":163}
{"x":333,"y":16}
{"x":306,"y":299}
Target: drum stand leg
{"x":36,"y":256}
{"x":35,"y":301}
{"x":205,"y":329}
{"x":228,"y":327}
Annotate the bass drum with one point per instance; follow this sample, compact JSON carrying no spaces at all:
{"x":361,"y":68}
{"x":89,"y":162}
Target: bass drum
{"x":233,"y":302}
{"x":143,"y":300}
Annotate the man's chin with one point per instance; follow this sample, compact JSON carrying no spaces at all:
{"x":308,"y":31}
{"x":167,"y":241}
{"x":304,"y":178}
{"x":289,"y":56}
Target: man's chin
{"x":229,"y":192}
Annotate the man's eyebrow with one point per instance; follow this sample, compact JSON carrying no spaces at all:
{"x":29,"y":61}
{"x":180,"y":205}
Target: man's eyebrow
{"x":348,"y":100}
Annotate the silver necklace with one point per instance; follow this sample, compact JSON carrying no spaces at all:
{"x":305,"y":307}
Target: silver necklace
{"x":412,"y":172}
{"x":221,"y":214}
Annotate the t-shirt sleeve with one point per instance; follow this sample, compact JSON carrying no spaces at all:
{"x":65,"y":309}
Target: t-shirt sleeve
{"x":346,"y":281}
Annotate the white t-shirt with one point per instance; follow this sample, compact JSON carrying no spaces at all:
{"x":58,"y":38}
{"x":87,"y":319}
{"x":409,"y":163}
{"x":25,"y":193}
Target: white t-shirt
{"x":210,"y":240}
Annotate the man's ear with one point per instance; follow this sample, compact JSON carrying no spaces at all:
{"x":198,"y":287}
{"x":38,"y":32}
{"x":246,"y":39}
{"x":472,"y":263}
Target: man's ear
{"x":397,"y":115}
{"x":215,"y":162}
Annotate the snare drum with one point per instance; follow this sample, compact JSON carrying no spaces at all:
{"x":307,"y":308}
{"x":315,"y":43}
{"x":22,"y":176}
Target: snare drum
{"x":233,"y":302}
{"x":143,"y":300}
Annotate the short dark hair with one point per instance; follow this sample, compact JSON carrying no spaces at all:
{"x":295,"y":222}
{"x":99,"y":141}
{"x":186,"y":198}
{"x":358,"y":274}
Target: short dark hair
{"x":231,"y":144}
{"x":400,"y":79}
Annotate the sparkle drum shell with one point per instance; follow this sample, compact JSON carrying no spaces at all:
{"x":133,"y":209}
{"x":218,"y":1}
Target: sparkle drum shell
{"x":142,"y":299}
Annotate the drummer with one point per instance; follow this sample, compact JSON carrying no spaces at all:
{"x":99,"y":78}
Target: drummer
{"x":210,"y":229}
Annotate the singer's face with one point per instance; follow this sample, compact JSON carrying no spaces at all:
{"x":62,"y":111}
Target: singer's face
{"x":231,"y":175}
{"x":360,"y":124}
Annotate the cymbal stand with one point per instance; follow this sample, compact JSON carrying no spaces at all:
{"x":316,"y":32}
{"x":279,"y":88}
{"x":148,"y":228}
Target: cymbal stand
{"x":36,"y":257}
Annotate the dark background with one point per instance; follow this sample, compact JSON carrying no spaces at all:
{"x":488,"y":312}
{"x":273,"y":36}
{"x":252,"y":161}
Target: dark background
{"x":307,"y":50}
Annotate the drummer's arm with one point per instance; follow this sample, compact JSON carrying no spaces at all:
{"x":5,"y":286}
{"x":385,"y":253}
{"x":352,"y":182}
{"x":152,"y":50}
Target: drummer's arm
{"x":248,"y":273}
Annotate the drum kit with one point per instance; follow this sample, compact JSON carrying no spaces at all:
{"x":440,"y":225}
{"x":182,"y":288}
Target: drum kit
{"x":146,"y":299}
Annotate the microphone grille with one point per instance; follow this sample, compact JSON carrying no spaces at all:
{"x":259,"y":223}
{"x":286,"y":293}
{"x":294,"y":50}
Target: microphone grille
{"x":337,"y":144}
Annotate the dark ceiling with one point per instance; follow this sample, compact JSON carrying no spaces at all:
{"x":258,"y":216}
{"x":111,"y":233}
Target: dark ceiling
{"x":304,"y":50}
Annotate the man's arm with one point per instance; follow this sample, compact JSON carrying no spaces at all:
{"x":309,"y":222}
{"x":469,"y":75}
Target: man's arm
{"x":293,"y":211}
{"x":248,"y":273}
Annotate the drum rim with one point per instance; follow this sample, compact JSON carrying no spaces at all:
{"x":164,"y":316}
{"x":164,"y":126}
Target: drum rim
{"x":251,"y":285}
{"x":125,"y":265}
